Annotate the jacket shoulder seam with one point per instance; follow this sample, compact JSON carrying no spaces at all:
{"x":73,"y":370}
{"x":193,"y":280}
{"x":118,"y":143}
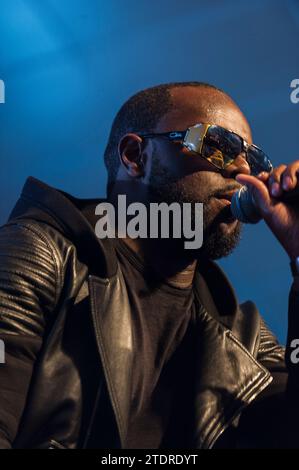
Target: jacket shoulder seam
{"x":51,"y":248}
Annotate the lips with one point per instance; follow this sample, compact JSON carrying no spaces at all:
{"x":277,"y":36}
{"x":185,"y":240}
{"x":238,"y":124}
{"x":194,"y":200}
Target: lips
{"x":228,"y":195}
{"x":224,"y":200}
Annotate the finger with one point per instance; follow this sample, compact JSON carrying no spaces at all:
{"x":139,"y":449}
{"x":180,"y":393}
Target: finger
{"x":263,"y":176}
{"x":290,"y":176}
{"x":274,"y":181}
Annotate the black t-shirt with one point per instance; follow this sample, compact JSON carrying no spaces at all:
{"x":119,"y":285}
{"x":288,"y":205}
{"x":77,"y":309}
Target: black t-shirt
{"x":163,"y":325}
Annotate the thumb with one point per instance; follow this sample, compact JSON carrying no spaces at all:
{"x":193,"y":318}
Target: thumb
{"x":258,"y":190}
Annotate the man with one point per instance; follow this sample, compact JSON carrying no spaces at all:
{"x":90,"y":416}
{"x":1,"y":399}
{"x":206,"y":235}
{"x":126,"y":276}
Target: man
{"x":140,"y":343}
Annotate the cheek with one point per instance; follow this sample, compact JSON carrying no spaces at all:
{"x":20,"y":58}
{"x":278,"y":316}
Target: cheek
{"x":199,"y":186}
{"x":171,"y":158}
{"x":174,"y":163}
{"x":179,"y":162}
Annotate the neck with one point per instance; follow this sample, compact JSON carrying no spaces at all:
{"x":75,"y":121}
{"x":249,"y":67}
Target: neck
{"x":167,"y":258}
{"x":169,"y":262}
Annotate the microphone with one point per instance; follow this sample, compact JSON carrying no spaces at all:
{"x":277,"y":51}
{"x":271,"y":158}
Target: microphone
{"x":243,"y":206}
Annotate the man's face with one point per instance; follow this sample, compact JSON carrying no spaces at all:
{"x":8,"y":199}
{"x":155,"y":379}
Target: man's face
{"x":177,"y":175}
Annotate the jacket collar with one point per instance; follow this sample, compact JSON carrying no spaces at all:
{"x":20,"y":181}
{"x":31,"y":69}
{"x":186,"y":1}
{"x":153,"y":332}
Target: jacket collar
{"x":210,"y":280}
{"x":73,"y":217}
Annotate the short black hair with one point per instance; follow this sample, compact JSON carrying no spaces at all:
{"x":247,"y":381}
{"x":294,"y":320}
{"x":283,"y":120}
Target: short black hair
{"x":141,"y":112}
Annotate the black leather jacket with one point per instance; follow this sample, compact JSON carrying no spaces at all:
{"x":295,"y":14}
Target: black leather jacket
{"x":65,"y":319}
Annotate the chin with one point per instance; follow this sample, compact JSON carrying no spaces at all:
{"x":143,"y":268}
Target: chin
{"x":222,"y":241}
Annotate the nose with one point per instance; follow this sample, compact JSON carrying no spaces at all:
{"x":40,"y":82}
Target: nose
{"x":239,"y":165}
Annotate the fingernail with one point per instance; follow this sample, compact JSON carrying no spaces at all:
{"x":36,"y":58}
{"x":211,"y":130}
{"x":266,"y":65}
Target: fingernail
{"x":287,"y":182}
{"x":275,"y":189}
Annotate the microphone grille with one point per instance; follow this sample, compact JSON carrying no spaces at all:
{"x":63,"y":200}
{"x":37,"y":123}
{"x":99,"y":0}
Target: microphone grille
{"x":243,"y":208}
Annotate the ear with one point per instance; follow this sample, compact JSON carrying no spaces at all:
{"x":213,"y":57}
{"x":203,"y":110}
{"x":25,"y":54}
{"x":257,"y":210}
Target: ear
{"x":130,"y":154}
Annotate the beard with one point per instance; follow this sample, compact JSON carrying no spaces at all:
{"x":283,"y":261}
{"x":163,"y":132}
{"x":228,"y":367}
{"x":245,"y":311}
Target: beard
{"x":216,"y":242}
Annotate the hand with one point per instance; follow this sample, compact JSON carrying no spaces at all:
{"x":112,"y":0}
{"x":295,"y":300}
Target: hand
{"x":282,"y":219}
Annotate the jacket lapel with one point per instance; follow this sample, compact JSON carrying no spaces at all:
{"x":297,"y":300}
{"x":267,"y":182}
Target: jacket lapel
{"x":111,"y":317}
{"x":228,"y":377}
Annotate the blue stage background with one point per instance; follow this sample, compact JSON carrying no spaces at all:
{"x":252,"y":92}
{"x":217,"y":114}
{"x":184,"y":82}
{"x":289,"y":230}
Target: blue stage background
{"x":68,"y":65}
